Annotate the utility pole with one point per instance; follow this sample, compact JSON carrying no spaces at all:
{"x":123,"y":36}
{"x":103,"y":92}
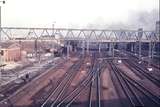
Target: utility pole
{"x":3,"y":2}
{"x":53,"y":35}
{"x":35,"y":47}
{"x":53,"y":25}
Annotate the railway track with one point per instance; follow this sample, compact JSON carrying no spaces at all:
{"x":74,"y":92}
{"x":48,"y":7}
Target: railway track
{"x":10,"y":89}
{"x":92,"y":77}
{"x":23,"y":90}
{"x":69,"y":99}
{"x":98,"y":90}
{"x":142,"y":72}
{"x":143,"y":61}
{"x":140,"y":69}
{"x":94,"y":90}
{"x":64,"y":83}
{"x":64,"y":95}
{"x":136,"y":94}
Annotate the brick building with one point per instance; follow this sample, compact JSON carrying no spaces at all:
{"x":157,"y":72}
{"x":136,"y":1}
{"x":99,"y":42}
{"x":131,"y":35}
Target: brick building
{"x":10,"y":52}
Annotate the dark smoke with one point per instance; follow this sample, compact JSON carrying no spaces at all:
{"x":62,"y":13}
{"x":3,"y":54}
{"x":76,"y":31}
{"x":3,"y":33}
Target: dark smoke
{"x":140,"y":19}
{"x":143,"y":19}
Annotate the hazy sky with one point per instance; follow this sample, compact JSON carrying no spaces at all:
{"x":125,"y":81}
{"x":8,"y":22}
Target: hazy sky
{"x":42,"y":13}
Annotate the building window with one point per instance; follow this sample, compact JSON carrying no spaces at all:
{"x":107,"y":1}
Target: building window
{"x":2,"y":52}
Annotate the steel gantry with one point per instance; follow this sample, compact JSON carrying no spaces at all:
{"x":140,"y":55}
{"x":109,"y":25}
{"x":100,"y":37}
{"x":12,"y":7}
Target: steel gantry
{"x":85,"y":37}
{"x":89,"y":35}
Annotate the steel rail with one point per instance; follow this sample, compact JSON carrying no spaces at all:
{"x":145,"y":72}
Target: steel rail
{"x":144,"y":73}
{"x":25,"y":86}
{"x":77,"y":94}
{"x":90,"y":93}
{"x":82,"y":86}
{"x":145,"y":91}
{"x":60,"y":85}
{"x":126,"y":92}
{"x":144,"y":61}
{"x":141,"y":88}
{"x":98,"y":90}
{"x":83,"y":83}
{"x":66,"y":85}
{"x":130,"y":89}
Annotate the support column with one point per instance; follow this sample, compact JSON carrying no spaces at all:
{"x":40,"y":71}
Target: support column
{"x":87,"y":46}
{"x":132,"y":47}
{"x":110,"y":48}
{"x":135,"y":48}
{"x":79,"y":46}
{"x":125,"y":46}
{"x":53,"y":48}
{"x":0,"y":74}
{"x":106,"y":45}
{"x":83,"y":47}
{"x":68,"y":49}
{"x":113,"y":44}
{"x":153,"y":49}
{"x":35,"y":47}
{"x":75,"y":47}
{"x":150,"y":53}
{"x":140,"y":49}
{"x":99,"y":48}
{"x":39,"y":55}
{"x":0,"y":46}
{"x":140,"y":34}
